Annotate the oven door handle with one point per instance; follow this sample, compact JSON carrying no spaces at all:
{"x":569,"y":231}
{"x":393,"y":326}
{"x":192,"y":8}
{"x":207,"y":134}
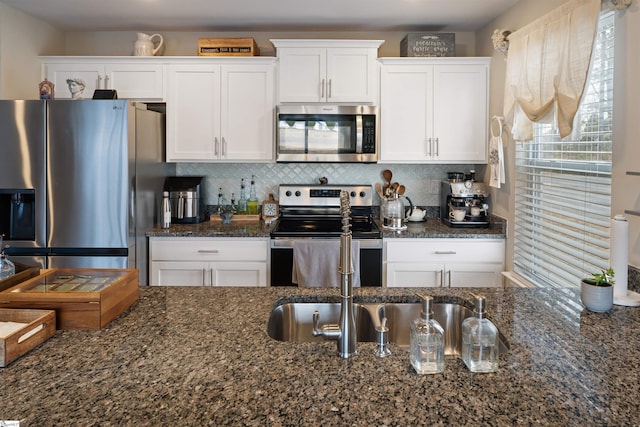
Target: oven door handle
{"x":288,"y":242}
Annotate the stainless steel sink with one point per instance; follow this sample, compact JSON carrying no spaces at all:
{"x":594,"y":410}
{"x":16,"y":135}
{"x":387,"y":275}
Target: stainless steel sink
{"x":294,"y":322}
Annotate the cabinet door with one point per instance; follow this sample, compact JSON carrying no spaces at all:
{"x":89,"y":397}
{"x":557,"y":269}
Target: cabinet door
{"x":460,"y":113}
{"x":92,"y":75}
{"x":414,"y":274}
{"x":247,"y":113}
{"x":193,"y":113}
{"x":473,"y":275}
{"x":351,"y":75}
{"x":135,"y":81}
{"x":179,"y":273}
{"x":406,"y":117}
{"x":302,"y":74}
{"x":239,"y":274}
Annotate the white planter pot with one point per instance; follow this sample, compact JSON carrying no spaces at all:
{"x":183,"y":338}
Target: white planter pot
{"x":598,"y":299}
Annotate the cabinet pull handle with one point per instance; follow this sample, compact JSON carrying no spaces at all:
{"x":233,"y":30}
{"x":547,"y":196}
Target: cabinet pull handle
{"x":99,"y":82}
{"x":441,"y":272}
{"x":216,"y":149}
{"x":437,"y":147}
{"x":329,"y":91}
{"x":445,"y":252}
{"x":204,"y":271}
{"x":224,"y":146}
{"x":322,"y":89}
{"x":208,"y":251}
{"x":106,"y":82}
{"x":429,"y":146}
{"x":449,"y":274}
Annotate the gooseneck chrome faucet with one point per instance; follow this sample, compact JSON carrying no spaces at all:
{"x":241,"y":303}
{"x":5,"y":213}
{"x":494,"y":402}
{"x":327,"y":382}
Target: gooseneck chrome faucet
{"x":345,"y":332}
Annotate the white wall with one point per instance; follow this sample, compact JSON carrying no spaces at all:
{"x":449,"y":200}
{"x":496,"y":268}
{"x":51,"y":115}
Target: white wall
{"x":626,"y":189}
{"x":186,"y":43}
{"x":22,"y":39}
{"x":626,"y":150}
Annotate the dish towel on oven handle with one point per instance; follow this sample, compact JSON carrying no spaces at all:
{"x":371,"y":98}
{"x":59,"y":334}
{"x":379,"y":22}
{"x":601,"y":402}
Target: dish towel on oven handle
{"x":496,"y":154}
{"x":316,"y":263}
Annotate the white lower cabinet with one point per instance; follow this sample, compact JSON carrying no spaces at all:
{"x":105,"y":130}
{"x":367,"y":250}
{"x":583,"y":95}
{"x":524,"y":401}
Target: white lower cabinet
{"x":443,"y":262}
{"x":204,"y":261}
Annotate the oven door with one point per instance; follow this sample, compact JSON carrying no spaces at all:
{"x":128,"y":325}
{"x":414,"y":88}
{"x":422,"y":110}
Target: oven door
{"x":370,"y":262}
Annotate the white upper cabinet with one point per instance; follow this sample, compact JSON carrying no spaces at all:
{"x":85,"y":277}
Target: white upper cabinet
{"x":131,"y":77}
{"x":336,"y":71}
{"x":220,"y":111}
{"x":434,"y":110}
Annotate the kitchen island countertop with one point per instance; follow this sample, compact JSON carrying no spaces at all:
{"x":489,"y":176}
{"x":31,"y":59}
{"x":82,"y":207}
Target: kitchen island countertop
{"x":202,"y":356}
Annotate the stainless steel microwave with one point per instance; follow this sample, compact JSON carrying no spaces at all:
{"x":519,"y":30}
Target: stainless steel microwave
{"x":327,"y":133}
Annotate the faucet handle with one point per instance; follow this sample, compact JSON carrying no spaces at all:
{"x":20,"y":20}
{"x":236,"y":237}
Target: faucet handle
{"x":327,"y":331}
{"x":382,"y":339}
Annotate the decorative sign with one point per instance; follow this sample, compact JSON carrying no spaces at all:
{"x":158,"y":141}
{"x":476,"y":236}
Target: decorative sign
{"x":428,"y":44}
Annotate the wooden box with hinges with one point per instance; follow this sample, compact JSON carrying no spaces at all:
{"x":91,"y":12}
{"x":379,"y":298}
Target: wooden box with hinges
{"x":83,"y":298}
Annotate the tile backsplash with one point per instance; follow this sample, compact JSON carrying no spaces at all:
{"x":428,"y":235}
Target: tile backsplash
{"x":421,"y":181}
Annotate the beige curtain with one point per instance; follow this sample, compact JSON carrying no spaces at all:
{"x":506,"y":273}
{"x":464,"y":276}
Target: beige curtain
{"x":547,"y":68}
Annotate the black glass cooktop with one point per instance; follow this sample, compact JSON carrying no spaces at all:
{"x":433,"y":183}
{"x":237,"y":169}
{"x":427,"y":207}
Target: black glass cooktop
{"x":361,"y":228}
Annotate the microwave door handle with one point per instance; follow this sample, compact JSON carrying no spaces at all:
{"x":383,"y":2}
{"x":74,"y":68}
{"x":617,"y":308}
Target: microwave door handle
{"x":359,"y":134}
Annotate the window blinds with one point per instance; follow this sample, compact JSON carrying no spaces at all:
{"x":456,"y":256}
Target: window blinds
{"x":563,"y":188}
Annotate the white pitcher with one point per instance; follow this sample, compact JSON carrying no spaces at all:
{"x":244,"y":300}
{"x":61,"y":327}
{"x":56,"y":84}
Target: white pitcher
{"x":144,"y":46}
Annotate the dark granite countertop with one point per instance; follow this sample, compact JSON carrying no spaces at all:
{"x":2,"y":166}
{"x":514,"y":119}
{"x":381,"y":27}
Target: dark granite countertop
{"x":201,"y":356}
{"x":431,"y":228}
{"x":214,"y":229}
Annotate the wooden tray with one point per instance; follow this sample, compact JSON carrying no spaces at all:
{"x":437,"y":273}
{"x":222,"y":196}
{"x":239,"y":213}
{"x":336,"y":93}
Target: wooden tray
{"x":84,"y":298}
{"x":23,"y":272}
{"x":236,"y":218}
{"x":40,"y":326}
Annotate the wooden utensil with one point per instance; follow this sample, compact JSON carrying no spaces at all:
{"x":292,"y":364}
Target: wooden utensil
{"x":387,"y":175}
{"x":379,"y":190}
{"x":401,"y":189}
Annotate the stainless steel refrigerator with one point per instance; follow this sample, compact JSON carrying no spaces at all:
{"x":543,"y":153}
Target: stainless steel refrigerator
{"x":80,"y":182}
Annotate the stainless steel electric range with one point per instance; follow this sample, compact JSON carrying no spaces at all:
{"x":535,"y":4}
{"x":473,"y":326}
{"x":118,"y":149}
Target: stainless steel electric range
{"x":313,"y":212}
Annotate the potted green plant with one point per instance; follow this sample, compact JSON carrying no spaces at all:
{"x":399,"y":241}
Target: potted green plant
{"x":596,"y":292}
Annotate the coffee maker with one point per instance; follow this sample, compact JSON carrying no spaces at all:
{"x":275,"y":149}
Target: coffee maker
{"x":464,"y":203}
{"x":185,"y":196}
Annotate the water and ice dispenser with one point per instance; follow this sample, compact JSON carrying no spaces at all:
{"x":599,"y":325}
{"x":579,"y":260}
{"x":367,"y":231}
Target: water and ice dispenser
{"x":18,"y":214}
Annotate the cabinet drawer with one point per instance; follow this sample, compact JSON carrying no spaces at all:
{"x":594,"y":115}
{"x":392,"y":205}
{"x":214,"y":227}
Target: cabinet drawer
{"x":444,"y":250}
{"x":206,"y":249}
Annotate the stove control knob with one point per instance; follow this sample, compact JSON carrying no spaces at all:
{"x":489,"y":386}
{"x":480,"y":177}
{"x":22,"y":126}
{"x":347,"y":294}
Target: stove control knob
{"x":362,"y":194}
{"x":353,"y":194}
{"x":298,"y":193}
{"x":288,"y":193}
